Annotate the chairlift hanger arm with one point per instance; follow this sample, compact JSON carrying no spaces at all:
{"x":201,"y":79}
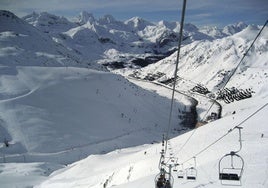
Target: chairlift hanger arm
{"x":240,"y":138}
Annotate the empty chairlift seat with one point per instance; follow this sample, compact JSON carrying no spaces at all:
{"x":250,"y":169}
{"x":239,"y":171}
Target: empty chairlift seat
{"x":229,"y":176}
{"x":231,"y":168}
{"x":180,"y":174}
{"x":191,"y":173}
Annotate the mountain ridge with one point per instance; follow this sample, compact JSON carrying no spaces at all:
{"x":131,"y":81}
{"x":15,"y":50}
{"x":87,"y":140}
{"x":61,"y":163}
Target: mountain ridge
{"x":136,"y":35}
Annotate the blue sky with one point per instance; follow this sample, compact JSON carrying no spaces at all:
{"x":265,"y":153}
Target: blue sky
{"x":199,"y":12}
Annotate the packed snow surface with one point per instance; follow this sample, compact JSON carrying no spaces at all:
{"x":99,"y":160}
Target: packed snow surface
{"x":137,"y":167}
{"x":48,"y":112}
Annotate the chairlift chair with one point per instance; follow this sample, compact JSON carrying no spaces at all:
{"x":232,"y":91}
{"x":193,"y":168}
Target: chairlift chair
{"x":231,"y":167}
{"x":191,"y":173}
{"x":175,"y":168}
{"x":181,"y":172}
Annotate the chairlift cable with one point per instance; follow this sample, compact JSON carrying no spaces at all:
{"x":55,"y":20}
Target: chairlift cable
{"x":163,"y":153}
{"x":239,"y":125}
{"x":176,"y":69}
{"x":225,"y":84}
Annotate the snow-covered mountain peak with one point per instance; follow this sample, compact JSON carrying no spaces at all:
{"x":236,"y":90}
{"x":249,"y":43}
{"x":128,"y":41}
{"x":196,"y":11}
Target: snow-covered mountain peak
{"x":234,"y":28}
{"x":32,"y":18}
{"x":213,"y":31}
{"x":190,"y":27}
{"x":85,"y":17}
{"x":248,"y":32}
{"x":44,"y":18}
{"x":137,"y":23}
{"x":111,"y":25}
{"x":7,"y":14}
{"x":241,"y":25}
{"x":23,"y":44}
{"x":11,"y":23}
{"x":49,"y":23}
{"x":8,"y":19}
{"x":174,"y":26}
{"x":107,"y":19}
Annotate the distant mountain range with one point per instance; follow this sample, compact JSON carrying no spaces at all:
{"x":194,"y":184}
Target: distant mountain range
{"x":117,"y":44}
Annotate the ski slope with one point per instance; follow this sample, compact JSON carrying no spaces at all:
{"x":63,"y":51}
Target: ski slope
{"x":65,"y":114}
{"x":137,"y":167}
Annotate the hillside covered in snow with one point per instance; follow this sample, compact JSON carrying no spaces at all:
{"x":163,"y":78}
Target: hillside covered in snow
{"x":85,"y":103}
{"x":205,"y":67}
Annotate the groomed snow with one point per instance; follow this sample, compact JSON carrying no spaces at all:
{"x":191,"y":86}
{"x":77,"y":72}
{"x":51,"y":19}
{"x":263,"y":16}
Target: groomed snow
{"x":137,"y":167}
{"x":49,"y":112}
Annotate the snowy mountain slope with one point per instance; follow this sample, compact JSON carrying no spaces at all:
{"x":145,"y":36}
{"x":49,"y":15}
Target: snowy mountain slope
{"x":65,"y":114}
{"x":137,"y":23}
{"x":23,"y":44}
{"x":85,"y":17}
{"x":234,"y":28}
{"x":101,"y":35}
{"x":25,"y":174}
{"x":209,"y":63}
{"x":49,"y":23}
{"x":137,"y":167}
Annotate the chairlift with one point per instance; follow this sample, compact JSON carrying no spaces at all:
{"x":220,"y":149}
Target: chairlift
{"x":181,"y":172}
{"x":231,"y":166}
{"x":164,"y":180}
{"x":175,"y":168}
{"x":191,"y":173}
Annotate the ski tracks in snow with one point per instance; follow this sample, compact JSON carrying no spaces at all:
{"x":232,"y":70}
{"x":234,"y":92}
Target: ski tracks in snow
{"x":20,"y":96}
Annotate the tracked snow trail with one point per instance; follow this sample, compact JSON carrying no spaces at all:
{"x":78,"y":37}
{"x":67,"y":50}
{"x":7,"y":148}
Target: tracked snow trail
{"x":20,"y":96}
